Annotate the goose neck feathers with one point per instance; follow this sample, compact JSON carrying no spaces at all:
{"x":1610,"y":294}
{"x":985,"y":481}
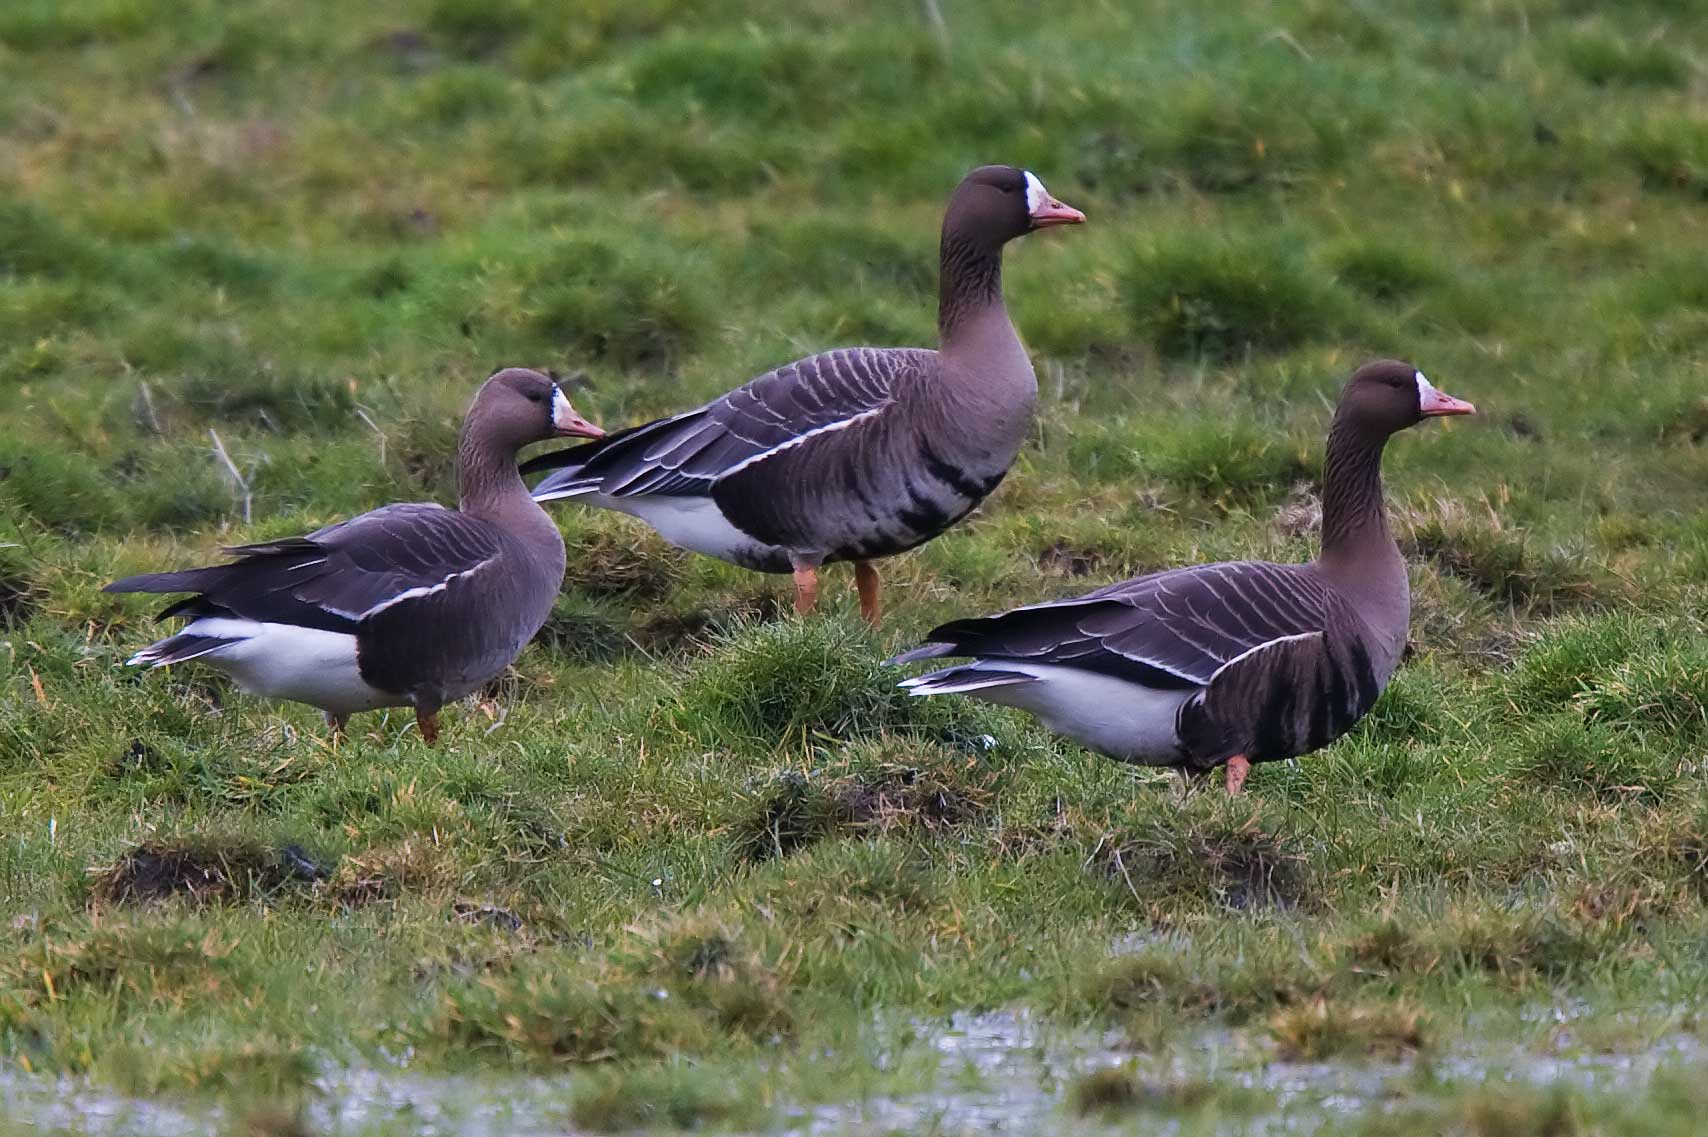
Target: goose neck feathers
{"x":513,"y":408}
{"x":992,"y":206}
{"x":1381,"y":399}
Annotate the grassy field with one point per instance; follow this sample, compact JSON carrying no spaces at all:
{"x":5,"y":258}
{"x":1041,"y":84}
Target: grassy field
{"x":696,"y":862}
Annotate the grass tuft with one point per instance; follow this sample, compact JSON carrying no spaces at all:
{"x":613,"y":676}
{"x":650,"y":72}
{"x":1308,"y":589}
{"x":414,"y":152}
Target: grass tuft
{"x":685,"y":988}
{"x":635,"y":564}
{"x":1506,"y":565}
{"x":820,"y":677}
{"x":1593,"y":759}
{"x":616,"y":303}
{"x":676,"y":1096}
{"x":1324,"y":1029}
{"x":1602,"y":58}
{"x":1218,"y":299}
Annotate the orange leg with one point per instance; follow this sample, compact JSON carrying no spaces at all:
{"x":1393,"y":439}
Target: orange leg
{"x":1238,"y":767}
{"x":428,"y":723}
{"x":866,"y":580}
{"x":806,"y":588}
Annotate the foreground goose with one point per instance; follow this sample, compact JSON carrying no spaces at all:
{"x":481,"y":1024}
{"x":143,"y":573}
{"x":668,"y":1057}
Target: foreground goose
{"x":1225,"y":663}
{"x":409,"y":605}
{"x":852,"y":454}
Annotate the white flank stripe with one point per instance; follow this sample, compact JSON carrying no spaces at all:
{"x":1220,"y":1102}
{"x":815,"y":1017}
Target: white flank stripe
{"x":424,"y":590}
{"x":1264,"y":646}
{"x":840,"y":424}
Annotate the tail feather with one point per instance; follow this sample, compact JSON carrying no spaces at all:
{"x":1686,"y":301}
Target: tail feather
{"x":923,"y":651}
{"x":963,"y":679}
{"x":191,"y":608}
{"x":184,"y":580}
{"x":179,"y":648}
{"x":571,"y":457}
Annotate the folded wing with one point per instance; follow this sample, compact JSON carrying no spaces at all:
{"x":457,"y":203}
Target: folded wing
{"x":336,"y":577}
{"x":687,"y":454}
{"x":1170,"y":630}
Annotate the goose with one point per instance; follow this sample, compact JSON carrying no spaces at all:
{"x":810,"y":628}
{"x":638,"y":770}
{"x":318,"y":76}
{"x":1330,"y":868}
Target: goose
{"x":852,"y":454}
{"x":410,"y":604}
{"x":1221,"y":664}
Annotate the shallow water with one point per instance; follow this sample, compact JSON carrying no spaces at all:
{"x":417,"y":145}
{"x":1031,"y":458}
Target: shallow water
{"x":997,"y":1073}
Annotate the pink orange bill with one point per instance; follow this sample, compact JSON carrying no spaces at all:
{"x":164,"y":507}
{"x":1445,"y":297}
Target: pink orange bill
{"x":1053,"y":212}
{"x":1436,"y":404}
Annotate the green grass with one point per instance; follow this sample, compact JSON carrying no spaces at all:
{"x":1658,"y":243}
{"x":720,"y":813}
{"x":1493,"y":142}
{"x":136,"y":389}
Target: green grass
{"x":700,"y":857}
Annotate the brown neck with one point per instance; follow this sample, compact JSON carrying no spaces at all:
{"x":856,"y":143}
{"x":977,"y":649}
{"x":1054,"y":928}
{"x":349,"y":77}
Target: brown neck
{"x":1355,"y":526}
{"x":969,"y":283}
{"x":488,"y":483}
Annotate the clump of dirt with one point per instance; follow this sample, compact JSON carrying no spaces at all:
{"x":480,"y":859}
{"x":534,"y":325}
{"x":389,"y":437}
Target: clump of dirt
{"x":795,"y":811}
{"x":1688,"y":426}
{"x":1238,"y":864}
{"x":1115,"y":1090}
{"x":17,"y":599}
{"x":693,"y":631}
{"x":491,"y":915}
{"x":1063,"y":559}
{"x":637,"y":565}
{"x":1301,"y":515}
{"x":206,"y":870}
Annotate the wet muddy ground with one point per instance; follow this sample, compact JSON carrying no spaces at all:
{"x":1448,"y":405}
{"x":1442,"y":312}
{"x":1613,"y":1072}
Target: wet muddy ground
{"x":1001,"y":1072}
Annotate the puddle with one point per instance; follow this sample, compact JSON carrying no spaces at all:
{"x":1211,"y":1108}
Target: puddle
{"x":1004,"y":1072}
{"x":68,"y":1106}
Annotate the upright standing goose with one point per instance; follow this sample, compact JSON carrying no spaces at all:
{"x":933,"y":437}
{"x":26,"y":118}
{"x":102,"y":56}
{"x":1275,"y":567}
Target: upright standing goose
{"x":852,"y":454}
{"x":408,"y":605}
{"x":1223,"y":663}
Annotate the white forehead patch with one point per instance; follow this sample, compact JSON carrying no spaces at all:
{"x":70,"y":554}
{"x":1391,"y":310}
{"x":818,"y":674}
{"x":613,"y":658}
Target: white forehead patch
{"x":562,"y":413}
{"x":1424,"y":388}
{"x":1036,"y":195}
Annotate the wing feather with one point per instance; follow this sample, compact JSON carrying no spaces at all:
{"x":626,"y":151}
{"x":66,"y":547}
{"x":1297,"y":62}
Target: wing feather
{"x":1171,"y":629}
{"x":338,"y":576}
{"x":687,"y":455}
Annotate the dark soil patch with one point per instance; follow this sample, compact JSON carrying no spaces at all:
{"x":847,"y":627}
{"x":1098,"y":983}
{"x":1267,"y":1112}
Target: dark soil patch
{"x":206,"y":870}
{"x":694,"y":630}
{"x":1063,"y":559}
{"x":1239,"y":866}
{"x":795,"y":812}
{"x":17,"y":600}
{"x":595,"y":637}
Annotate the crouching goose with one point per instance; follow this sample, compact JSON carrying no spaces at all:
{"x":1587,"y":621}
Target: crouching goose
{"x":1224,"y":663}
{"x":852,"y":454}
{"x":408,"y":605}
